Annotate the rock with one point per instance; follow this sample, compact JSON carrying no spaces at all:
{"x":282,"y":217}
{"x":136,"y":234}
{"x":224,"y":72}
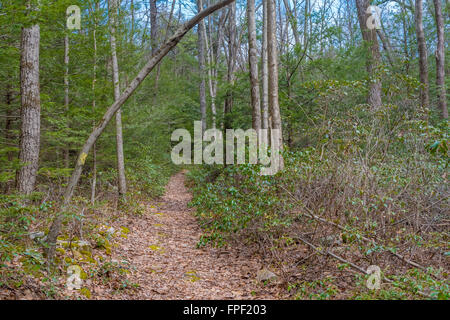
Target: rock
{"x":36,"y":235}
{"x":82,"y":244}
{"x":265,"y":275}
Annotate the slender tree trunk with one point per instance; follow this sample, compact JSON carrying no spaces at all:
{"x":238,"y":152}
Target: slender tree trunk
{"x":30,"y":109}
{"x":423,"y":59}
{"x":405,"y":39}
{"x":264,"y":78}
{"x":166,"y":35}
{"x":94,"y":82}
{"x":350,"y":22}
{"x":201,"y":63}
{"x":132,"y":21}
{"x":113,"y":5}
{"x":143,"y":73}
{"x":293,"y":22}
{"x":213,"y":61}
{"x":307,"y":18}
{"x":153,"y":26}
{"x":253,"y":66}
{"x":232,"y":50}
{"x":66,"y":92}
{"x":386,"y":46}
{"x":272,"y":55}
{"x":374,"y":57}
{"x":211,"y":79}
{"x":440,"y":59}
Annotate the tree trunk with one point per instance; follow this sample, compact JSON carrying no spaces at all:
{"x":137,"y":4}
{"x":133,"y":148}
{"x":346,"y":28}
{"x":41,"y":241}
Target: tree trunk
{"x":143,"y":73}
{"x":374,"y":57}
{"x":272,"y":55}
{"x":30,"y":109}
{"x":201,"y":63}
{"x":94,"y":81}
{"x":66,"y":93}
{"x":293,"y":22}
{"x":440,"y":59}
{"x":264,"y":78}
{"x":166,"y":35}
{"x":113,"y":4}
{"x":153,"y":26}
{"x":405,"y":39}
{"x":253,"y":66}
{"x":423,"y":59}
{"x":232,"y":46}
{"x":307,"y":17}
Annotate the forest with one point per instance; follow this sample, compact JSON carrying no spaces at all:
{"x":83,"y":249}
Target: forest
{"x":348,"y":98}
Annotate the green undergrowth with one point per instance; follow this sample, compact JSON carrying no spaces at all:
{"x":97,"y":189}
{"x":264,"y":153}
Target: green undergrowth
{"x":89,"y":235}
{"x":380,"y":176}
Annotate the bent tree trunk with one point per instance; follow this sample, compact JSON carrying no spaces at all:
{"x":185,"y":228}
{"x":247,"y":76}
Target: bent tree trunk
{"x":149,"y":66}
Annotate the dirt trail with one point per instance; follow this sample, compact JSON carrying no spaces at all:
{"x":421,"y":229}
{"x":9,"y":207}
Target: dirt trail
{"x":161,"y":246}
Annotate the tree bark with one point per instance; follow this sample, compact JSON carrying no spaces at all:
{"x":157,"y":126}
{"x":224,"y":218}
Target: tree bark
{"x":113,"y":5}
{"x":307,"y":17}
{"x":272,"y":55}
{"x":264,"y":78}
{"x":232,"y":46}
{"x":166,"y":35}
{"x":293,"y":22}
{"x":30,"y":109}
{"x":201,"y":63}
{"x":153,"y":26}
{"x":373,"y":55}
{"x":94,"y":82}
{"x":66,"y":92}
{"x":143,"y":73}
{"x":440,"y":59}
{"x":423,"y":59}
{"x":253,"y":66}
